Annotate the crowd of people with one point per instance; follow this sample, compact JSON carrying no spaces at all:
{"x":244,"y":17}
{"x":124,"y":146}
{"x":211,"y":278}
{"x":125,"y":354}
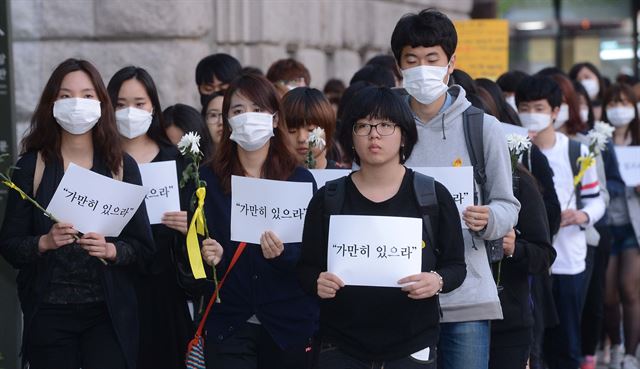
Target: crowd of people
{"x":545,"y":273}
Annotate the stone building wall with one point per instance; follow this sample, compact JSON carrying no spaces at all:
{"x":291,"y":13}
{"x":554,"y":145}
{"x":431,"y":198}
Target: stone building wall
{"x":168,"y":37}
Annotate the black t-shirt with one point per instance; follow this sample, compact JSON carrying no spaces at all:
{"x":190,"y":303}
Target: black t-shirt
{"x":382,"y":323}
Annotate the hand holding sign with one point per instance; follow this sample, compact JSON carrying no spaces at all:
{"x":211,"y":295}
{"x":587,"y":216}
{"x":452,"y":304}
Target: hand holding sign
{"x":476,"y":217}
{"x":271,"y":245}
{"x":422,"y":286}
{"x":59,"y":235}
{"x":96,"y":245}
{"x":328,"y":285}
{"x":176,"y":220}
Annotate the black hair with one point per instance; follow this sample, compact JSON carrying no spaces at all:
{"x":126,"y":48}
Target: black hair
{"x":580,"y":90}
{"x":156,"y":131}
{"x":464,"y":80}
{"x":375,"y":74}
{"x":188,"y":119}
{"x":427,"y":28}
{"x":477,"y":102}
{"x":206,"y":100}
{"x":506,"y":113}
{"x":380,"y":103}
{"x":534,"y":88}
{"x":387,"y":61}
{"x":252,"y":70}
{"x":550,"y":71}
{"x":224,"y":67}
{"x":576,"y":68}
{"x":509,"y":81}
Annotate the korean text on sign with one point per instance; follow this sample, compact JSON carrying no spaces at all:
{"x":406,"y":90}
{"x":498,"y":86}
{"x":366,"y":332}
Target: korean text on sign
{"x":373,"y":250}
{"x":95,"y":203}
{"x":259,"y":205}
{"x":162,"y":180}
{"x":459,"y":182}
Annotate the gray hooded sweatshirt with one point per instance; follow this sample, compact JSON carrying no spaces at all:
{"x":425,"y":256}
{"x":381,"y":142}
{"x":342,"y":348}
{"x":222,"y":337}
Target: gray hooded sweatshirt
{"x":441,"y":143}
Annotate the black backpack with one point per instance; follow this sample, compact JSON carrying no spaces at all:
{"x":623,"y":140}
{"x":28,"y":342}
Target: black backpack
{"x":425,"y":192}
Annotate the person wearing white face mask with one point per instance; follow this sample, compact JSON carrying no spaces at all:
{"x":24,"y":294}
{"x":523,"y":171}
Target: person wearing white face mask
{"x":424,"y":46}
{"x":589,"y":76}
{"x":78,"y":312}
{"x":265,"y":320}
{"x":164,"y":316}
{"x":539,"y":99}
{"x":623,"y":271}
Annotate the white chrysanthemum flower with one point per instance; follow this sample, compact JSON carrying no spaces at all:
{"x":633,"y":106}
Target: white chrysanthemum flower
{"x":190,"y":142}
{"x":317,"y":138}
{"x":597,"y":140}
{"x":604,"y":128}
{"x":518,"y":144}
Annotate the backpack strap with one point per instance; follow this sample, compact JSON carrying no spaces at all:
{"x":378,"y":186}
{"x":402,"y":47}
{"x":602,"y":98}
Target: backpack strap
{"x":334,"y":196}
{"x":424,"y":188}
{"x":472,"y":124}
{"x":575,"y":151}
{"x":38,"y":172}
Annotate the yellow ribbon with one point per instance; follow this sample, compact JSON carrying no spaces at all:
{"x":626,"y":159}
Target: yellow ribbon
{"x":196,"y":227}
{"x":585,"y":163}
{"x":13,"y":186}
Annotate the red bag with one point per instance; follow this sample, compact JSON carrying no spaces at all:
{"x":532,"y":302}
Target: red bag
{"x":195,"y":350}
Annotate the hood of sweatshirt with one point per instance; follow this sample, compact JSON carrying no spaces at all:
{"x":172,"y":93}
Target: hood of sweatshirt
{"x":444,"y":120}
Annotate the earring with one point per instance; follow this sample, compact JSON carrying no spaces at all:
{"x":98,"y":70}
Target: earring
{"x":402,"y":158}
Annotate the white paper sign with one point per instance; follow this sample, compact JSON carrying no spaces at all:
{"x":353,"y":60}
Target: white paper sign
{"x":459,"y":182}
{"x":259,"y":205}
{"x":322,"y":176}
{"x":509,"y":129}
{"x":164,"y":195}
{"x":629,"y":164}
{"x":95,"y":203}
{"x":373,"y":250}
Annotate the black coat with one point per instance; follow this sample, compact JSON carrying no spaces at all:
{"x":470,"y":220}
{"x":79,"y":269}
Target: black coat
{"x":24,"y":224}
{"x":533,"y":255}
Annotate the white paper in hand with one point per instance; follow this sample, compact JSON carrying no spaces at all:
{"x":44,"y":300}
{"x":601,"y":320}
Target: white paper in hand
{"x":95,"y":203}
{"x":162,"y":180}
{"x":374,"y":250}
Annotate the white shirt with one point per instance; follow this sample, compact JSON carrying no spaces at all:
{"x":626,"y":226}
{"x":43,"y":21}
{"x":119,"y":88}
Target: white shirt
{"x":570,"y":242}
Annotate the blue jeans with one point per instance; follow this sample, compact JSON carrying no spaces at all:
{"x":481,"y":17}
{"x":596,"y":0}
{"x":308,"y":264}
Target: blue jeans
{"x":464,"y":345}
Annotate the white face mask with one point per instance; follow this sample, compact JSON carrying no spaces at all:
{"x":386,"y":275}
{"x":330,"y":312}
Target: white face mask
{"x":621,"y":115}
{"x":562,"y":118}
{"x":584,"y":115}
{"x":511,"y":100}
{"x":77,"y":115}
{"x":592,"y":86}
{"x":425,"y":82}
{"x":251,"y":130}
{"x":133,"y":122}
{"x":535,"y":122}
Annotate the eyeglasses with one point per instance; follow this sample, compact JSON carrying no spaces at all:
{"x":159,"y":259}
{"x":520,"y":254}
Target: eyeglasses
{"x":383,"y":129}
{"x":214,"y":117}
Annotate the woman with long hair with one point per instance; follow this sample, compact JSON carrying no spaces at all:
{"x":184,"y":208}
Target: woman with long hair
{"x":166,"y":326}
{"x":265,"y":320}
{"x":78,"y":312}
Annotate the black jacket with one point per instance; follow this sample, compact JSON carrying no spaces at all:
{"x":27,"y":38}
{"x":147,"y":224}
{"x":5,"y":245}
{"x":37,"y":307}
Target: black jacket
{"x":533,"y":255}
{"x":24,"y":224}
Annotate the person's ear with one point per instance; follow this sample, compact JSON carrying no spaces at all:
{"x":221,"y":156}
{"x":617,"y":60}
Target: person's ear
{"x":452,"y":64}
{"x":275,"y":120}
{"x":554,"y":113}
